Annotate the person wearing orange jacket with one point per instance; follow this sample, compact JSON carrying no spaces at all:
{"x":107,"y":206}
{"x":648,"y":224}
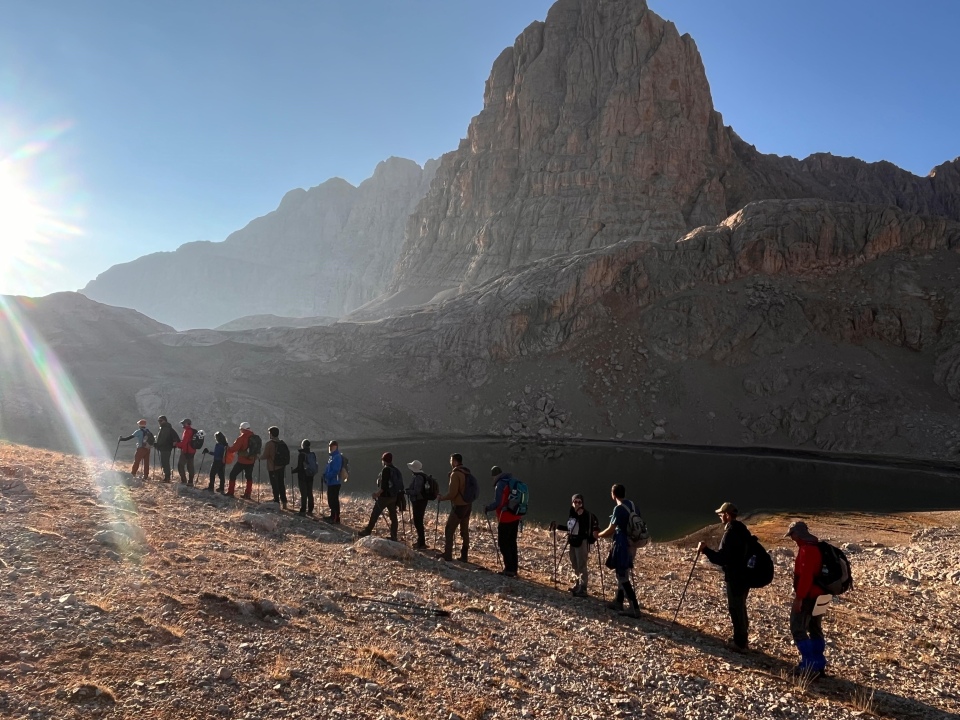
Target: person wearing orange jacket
{"x":245,"y":461}
{"x":508,"y":523}
{"x":804,"y":626}
{"x":186,"y":452}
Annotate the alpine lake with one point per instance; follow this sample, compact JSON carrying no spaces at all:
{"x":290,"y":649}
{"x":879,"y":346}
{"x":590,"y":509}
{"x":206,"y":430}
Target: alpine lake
{"x":676,"y":488}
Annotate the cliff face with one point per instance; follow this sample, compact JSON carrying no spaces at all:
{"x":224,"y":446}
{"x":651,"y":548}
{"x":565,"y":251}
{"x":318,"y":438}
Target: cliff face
{"x":598,"y":125}
{"x":322,"y":252}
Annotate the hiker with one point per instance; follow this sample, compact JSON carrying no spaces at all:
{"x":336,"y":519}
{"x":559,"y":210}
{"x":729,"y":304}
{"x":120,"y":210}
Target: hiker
{"x":218,"y":468}
{"x":305,"y":471}
{"x":582,"y":532}
{"x":245,"y":460}
{"x":623,"y":551}
{"x":187,"y":451}
{"x":145,"y":440}
{"x":460,"y":509}
{"x":508,"y":523}
{"x":731,"y":556}
{"x":331,"y":476}
{"x":423,"y":489}
{"x":277,"y":455}
{"x":805,"y":627}
{"x":167,"y":438}
{"x":390,"y":484}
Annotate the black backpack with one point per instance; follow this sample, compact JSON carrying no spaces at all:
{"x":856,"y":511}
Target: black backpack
{"x":471,"y":488}
{"x":197,"y":439}
{"x":310,"y":464}
{"x":394,"y":483}
{"x":281,"y":454}
{"x":148,"y":437}
{"x":758,"y":565}
{"x":254,"y":446}
{"x":431,"y":488}
{"x":835,"y":576}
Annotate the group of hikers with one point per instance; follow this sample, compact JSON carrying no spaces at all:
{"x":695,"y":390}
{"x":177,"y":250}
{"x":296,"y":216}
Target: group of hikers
{"x":745,"y":563}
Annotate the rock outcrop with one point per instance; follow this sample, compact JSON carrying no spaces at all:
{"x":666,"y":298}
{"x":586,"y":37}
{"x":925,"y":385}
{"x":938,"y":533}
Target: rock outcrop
{"x":597,"y":126}
{"x":322,"y":252}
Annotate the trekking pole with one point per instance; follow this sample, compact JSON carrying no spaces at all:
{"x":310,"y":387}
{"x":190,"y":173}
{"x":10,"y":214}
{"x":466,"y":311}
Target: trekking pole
{"x":556,"y":560}
{"x":293,"y":490}
{"x":553,"y":527}
{"x":436,"y":527}
{"x":403,"y":524}
{"x":114,"y":465}
{"x":684,"y":594}
{"x":202,"y":458}
{"x":603,"y":590}
{"x":258,"y":481}
{"x":496,"y":547}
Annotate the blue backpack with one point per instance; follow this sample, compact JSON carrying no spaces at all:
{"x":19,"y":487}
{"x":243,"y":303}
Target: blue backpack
{"x":310,"y":464}
{"x":519,"y":496}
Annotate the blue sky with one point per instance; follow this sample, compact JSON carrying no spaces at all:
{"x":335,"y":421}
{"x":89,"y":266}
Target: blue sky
{"x":148,"y":125}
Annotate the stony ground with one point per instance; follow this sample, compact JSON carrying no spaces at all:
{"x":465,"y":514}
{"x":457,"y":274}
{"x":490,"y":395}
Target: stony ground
{"x":169,"y":602}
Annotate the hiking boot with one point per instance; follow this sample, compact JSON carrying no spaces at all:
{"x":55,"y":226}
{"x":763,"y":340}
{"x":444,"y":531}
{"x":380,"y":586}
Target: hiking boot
{"x":420,"y":546}
{"x":582,"y":592}
{"x":284,"y":504}
{"x":634,"y":613}
{"x":363,"y":533}
{"x":508,"y":573}
{"x":736,"y":647}
{"x":447,"y":557}
{"x":245,"y":496}
{"x":615,"y":606}
{"x":463,"y":557}
{"x":302,"y":513}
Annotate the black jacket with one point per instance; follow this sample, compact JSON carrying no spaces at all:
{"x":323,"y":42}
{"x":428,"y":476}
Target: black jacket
{"x":732,"y":553}
{"x":586,"y":524}
{"x":166,"y":437}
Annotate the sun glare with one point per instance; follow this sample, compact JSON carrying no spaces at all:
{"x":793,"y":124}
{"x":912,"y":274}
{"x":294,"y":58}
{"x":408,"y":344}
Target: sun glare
{"x":33,"y":215}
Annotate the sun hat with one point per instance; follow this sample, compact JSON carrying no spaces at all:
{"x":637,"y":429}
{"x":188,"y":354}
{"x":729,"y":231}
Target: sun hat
{"x":727,"y":507}
{"x":798,"y":528}
{"x":416,"y":465}
{"x":142,"y":423}
{"x":244,"y":426}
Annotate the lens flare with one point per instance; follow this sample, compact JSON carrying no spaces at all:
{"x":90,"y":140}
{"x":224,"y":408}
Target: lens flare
{"x":35,"y":211}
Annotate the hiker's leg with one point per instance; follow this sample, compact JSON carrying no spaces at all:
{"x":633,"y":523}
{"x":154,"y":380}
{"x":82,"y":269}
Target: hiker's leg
{"x":248,"y":475}
{"x":146,"y":462}
{"x":507,"y":540}
{"x":333,"y":501}
{"x":302,"y":481}
{"x":453,"y":520}
{"x":165,"y":464}
{"x":375,"y":514}
{"x":818,"y":644}
{"x":463,"y":512}
{"x":580,"y":558}
{"x":800,"y":622}
{"x":737,"y":605}
{"x":234,"y":473}
{"x":141,"y":457}
{"x":190,"y":471}
{"x":221,"y":471}
{"x":419,"y":508}
{"x":394,"y":522}
{"x":282,"y":480}
{"x":182,"y":466}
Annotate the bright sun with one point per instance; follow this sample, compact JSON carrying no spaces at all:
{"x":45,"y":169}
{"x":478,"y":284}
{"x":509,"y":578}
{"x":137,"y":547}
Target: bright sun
{"x":22,"y":221}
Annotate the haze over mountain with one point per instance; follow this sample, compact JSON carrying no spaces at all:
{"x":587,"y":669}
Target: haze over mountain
{"x":322,"y":252}
{"x":611,"y":262}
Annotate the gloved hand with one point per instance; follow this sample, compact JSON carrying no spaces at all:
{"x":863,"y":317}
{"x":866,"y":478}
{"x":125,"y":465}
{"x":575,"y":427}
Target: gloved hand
{"x":120,"y":438}
{"x":206,"y":451}
{"x":553,"y":526}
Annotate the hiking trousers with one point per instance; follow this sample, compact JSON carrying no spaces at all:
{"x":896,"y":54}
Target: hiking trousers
{"x":333,"y":502}
{"x":579,"y":560}
{"x":185,"y":463}
{"x":507,"y":533}
{"x":305,"y":483}
{"x":235,"y":471}
{"x":419,"y":509}
{"x":737,"y":605}
{"x":277,"y":479}
{"x":165,"y":463}
{"x":803,"y":625}
{"x":142,"y":456}
{"x":459,"y":516}
{"x":217,"y":470}
{"x":389,"y":504}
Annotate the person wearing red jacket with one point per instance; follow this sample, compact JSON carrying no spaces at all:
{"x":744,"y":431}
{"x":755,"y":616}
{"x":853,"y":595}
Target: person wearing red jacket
{"x":508,"y":523}
{"x":244,"y":463}
{"x":804,"y":626}
{"x":186,"y":451}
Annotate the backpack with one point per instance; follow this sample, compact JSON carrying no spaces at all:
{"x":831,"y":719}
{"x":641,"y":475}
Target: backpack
{"x":344,"y":473}
{"x":196,"y":441}
{"x":254,"y":446}
{"x":395,"y":483}
{"x":310,"y":464}
{"x":835,"y":576}
{"x":518,"y":498}
{"x":637,"y":530}
{"x":758,"y":563}
{"x":281,"y":454}
{"x":148,"y":437}
{"x":431,"y":488}
{"x":471,"y":488}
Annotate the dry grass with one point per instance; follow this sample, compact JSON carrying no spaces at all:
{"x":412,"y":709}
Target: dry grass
{"x":280,"y":672}
{"x":864,"y":700}
{"x":371,"y":663}
{"x":477,"y":709}
{"x":801,"y":681}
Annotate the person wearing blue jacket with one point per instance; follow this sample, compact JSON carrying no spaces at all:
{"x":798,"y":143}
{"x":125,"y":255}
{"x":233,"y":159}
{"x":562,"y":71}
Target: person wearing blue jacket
{"x":331,"y":476}
{"x":508,"y":523}
{"x":219,"y":466}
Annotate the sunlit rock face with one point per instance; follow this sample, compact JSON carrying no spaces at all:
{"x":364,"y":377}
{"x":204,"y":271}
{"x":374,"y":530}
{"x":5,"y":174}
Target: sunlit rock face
{"x":598,"y":125}
{"x":322,"y":252}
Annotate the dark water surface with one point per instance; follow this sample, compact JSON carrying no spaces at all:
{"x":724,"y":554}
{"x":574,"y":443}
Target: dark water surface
{"x":675,"y":489}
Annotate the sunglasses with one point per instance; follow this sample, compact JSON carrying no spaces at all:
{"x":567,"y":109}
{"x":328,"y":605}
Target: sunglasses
{"x":578,"y":502}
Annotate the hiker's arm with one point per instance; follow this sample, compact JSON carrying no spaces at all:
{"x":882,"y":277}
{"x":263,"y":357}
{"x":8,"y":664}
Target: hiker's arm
{"x":124,"y":439}
{"x":498,"y":498}
{"x":608,"y":531}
